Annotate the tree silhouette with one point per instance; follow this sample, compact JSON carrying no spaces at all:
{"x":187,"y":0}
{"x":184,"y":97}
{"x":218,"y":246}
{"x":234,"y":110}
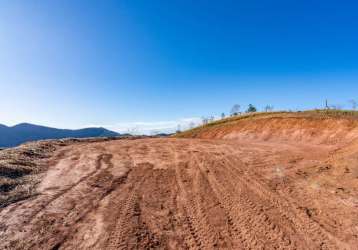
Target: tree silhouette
{"x":235,"y":110}
{"x":251,"y":109}
{"x":268,"y":108}
{"x":353,"y":103}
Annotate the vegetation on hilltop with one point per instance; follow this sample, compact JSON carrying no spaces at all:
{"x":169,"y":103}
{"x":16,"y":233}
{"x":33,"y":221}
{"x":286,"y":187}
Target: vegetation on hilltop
{"x":316,"y":113}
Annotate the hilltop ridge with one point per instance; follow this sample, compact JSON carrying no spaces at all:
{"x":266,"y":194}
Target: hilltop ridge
{"x":314,"y":127}
{"x":25,"y":132}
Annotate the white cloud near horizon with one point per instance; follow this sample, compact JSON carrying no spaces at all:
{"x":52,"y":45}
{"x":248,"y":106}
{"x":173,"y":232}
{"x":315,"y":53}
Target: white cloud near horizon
{"x":152,"y":127}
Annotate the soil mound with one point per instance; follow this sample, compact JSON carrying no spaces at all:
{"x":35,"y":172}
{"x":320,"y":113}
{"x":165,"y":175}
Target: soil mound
{"x":291,"y":127}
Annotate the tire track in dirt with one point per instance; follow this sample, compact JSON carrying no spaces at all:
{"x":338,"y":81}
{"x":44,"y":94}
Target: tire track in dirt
{"x":171,"y":194}
{"x":75,"y":209}
{"x":192,"y":240}
{"x":204,"y":230}
{"x":285,"y":209}
{"x":126,"y":218}
{"x":113,"y":184}
{"x":78,"y":210}
{"x":62,"y":192}
{"x":249,"y":232}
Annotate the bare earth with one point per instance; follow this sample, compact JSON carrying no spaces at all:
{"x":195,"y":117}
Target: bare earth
{"x":168,"y":193}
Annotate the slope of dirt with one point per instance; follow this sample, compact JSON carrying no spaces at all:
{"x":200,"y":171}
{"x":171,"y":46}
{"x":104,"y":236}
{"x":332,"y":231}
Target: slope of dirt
{"x":334,"y":131}
{"x":284,"y":127}
{"x":170,"y":193}
{"x":20,"y":170}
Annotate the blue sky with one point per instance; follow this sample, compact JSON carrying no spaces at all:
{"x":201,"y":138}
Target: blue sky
{"x":152,"y":64}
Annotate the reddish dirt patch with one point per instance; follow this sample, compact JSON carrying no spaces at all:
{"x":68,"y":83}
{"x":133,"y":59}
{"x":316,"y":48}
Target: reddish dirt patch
{"x":189,"y":194}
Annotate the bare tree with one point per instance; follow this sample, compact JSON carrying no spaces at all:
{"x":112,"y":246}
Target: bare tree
{"x":326,"y":105}
{"x":353,"y":104}
{"x":204,"y":120}
{"x":222,"y":115}
{"x":268,"y":108}
{"x":235,"y":110}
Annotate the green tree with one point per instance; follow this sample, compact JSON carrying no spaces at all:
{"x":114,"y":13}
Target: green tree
{"x":251,"y":109}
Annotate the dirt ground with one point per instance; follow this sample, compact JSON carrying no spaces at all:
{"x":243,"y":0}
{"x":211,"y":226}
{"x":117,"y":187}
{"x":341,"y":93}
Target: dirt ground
{"x":167,"y":193}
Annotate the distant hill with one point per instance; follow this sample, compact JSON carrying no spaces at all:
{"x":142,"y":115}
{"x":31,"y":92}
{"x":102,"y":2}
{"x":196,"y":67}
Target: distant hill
{"x":24,"y":132}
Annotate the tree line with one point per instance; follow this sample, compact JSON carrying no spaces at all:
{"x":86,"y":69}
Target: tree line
{"x":237,"y":110}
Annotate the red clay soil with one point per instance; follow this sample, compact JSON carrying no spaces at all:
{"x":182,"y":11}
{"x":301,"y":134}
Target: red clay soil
{"x":255,"y":191}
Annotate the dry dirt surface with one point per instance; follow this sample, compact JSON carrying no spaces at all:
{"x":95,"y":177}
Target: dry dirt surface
{"x":184,"y":194}
{"x":167,"y":193}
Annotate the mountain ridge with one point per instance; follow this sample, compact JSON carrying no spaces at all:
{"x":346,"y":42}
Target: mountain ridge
{"x":11,"y":136}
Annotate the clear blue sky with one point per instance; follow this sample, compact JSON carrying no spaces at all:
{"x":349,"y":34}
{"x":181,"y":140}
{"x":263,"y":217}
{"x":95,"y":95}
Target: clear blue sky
{"x":116,"y":63}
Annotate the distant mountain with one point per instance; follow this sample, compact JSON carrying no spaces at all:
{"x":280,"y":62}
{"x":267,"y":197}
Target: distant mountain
{"x":24,"y":132}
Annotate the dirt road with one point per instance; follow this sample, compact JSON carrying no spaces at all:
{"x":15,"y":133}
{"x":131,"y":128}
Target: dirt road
{"x":184,"y":194}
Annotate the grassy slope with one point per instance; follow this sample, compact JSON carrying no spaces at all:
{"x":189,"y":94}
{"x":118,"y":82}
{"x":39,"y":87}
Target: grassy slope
{"x":230,"y":121}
